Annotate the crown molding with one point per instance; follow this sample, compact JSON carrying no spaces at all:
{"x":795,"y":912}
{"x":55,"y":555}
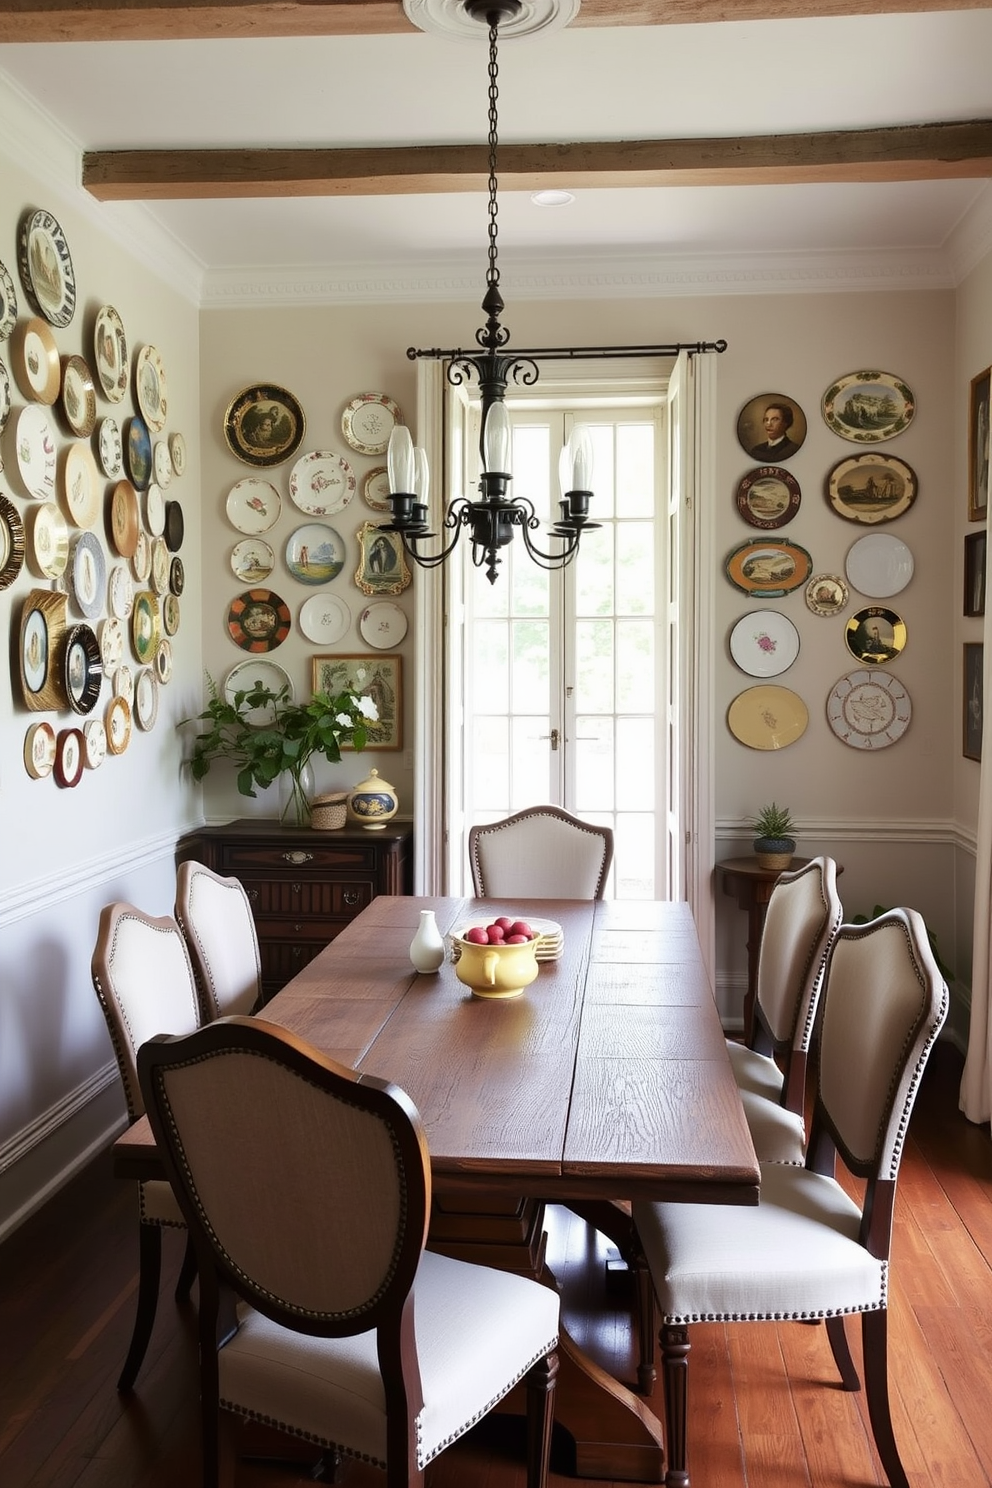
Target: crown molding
{"x":971,"y":240}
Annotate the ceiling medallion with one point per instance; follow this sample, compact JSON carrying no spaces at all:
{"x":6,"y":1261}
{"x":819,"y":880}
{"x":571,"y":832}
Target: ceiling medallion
{"x":450,"y":19}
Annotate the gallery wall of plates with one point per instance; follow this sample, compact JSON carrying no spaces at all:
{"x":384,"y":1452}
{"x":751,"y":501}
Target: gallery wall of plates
{"x":96,"y":466}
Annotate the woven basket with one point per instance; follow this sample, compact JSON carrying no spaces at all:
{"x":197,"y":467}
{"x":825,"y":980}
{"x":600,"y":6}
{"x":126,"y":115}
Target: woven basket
{"x":329,"y":812}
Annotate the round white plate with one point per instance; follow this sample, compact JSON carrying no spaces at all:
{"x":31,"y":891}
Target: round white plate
{"x":249,"y":674}
{"x":111,"y":448}
{"x":253,"y":505}
{"x":162,"y":463}
{"x":112,"y":644}
{"x":150,"y":387}
{"x":155,"y":508}
{"x":879,"y":565}
{"x":376,"y":489}
{"x":49,"y":540}
{"x":382,"y":625}
{"x":121,"y":592}
{"x":321,"y":483}
{"x":368,"y":421}
{"x":145,"y":698}
{"x":37,"y":452}
{"x":252,"y":560}
{"x":764,"y":643}
{"x":324,"y":619}
{"x":89,"y":575}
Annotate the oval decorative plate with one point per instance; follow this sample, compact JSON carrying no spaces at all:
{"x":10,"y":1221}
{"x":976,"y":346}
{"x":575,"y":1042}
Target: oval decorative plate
{"x":315,"y":554}
{"x":39,"y":750}
{"x":11,"y":543}
{"x":8,"y":303}
{"x":94,"y":743}
{"x":110,"y":347}
{"x":145,"y":626}
{"x":875,"y":635}
{"x":146,"y":698}
{"x":117,"y":722}
{"x":869,"y":709}
{"x":252,"y":560}
{"x":83,"y":491}
{"x":150,"y":388}
{"x":160,"y":565}
{"x":177,"y":576}
{"x":871,"y":488}
{"x":46,"y":267}
{"x":259,"y":621}
{"x":111,"y":448}
{"x":368,"y":421}
{"x":36,"y":452}
{"x":138,"y":451}
{"x":826,"y":594}
{"x":768,"y":717}
{"x":250,"y":674}
{"x":89,"y":575}
{"x":264,"y":425}
{"x":253,"y":505}
{"x":767,"y":570}
{"x":155,"y":508}
{"x":768,"y":497}
{"x":121,"y":592}
{"x":868,"y":407}
{"x":162,"y":463}
{"x":125,"y":519}
{"x":321,"y":483}
{"x":49,"y":540}
{"x":764,"y":644}
{"x":383,"y":625}
{"x":376,"y":489}
{"x":163,"y":662}
{"x":324,"y":619}
{"x":879,"y":565}
{"x":35,"y":360}
{"x":78,"y":396}
{"x":82,"y":669}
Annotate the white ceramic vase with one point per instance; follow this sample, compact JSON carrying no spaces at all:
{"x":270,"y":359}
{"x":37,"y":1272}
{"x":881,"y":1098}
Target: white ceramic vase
{"x":427,"y":946}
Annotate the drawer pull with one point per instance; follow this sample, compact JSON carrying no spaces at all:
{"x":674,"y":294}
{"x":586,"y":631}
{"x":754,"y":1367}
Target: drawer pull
{"x":298,"y":928}
{"x":297,"y":888}
{"x":296,"y":858}
{"x":352,"y":896}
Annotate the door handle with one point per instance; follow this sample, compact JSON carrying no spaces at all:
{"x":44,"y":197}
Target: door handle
{"x":554,"y":736}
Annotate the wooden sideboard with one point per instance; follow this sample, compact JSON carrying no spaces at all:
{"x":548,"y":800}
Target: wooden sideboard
{"x":304,"y":885}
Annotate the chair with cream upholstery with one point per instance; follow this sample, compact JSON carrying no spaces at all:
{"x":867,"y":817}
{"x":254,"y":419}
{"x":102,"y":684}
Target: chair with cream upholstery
{"x":804,"y":913}
{"x":144,"y":982}
{"x":215,"y":917}
{"x":320,"y":1310}
{"x":808,"y":1250}
{"x":541,"y":853}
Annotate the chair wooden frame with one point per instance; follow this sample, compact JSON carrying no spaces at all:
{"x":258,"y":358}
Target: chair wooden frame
{"x":478,"y":835}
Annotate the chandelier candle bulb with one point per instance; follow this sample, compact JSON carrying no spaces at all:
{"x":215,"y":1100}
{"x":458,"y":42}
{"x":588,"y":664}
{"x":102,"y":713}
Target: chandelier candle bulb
{"x":427,"y":946}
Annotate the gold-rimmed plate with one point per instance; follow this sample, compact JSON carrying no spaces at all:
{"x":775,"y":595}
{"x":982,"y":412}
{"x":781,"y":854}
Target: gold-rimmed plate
{"x":145,"y":626}
{"x":49,"y":541}
{"x":11,"y":543}
{"x":45,"y":265}
{"x":35,"y":361}
{"x":263,"y":426}
{"x":875,"y":635}
{"x":117,"y":722}
{"x":110,"y":347}
{"x":868,"y":407}
{"x":367,"y":422}
{"x":78,"y":396}
{"x":150,"y":388}
{"x":39,"y":750}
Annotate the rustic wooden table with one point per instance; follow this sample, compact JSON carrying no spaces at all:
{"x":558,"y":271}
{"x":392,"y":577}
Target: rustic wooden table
{"x":607,"y":1079}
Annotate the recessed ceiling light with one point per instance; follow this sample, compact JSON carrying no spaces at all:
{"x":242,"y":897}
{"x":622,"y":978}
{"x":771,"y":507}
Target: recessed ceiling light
{"x":552,"y":198}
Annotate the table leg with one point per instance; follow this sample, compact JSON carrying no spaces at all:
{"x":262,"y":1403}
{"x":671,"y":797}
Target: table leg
{"x":755,"y":928}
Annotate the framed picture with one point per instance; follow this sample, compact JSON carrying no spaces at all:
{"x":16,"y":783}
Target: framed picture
{"x":771,"y":428}
{"x":978,"y":447}
{"x":974,"y":574}
{"x":382,"y":566}
{"x":973,"y":701}
{"x":378,"y":677}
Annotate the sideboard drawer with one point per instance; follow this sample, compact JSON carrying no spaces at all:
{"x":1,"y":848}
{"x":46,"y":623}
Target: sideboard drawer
{"x":351,"y":857}
{"x":314,"y":898}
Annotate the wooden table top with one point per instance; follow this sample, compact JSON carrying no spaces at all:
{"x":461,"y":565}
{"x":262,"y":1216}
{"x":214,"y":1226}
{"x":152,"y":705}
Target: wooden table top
{"x":608,"y":1078}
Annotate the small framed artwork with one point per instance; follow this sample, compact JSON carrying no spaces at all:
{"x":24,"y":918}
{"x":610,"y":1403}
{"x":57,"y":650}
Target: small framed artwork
{"x":974,"y":660}
{"x":974,"y":573}
{"x":978,"y":447}
{"x":382,"y":566}
{"x":377,"y":677}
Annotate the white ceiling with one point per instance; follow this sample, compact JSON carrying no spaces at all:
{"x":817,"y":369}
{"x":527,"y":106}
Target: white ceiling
{"x":591,"y":83}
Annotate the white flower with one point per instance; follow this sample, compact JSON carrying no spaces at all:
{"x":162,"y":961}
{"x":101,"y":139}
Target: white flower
{"x":344,"y":719}
{"x":368,"y":708}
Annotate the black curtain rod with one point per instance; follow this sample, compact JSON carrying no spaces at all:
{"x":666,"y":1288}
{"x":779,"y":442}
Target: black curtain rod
{"x":571,"y":353}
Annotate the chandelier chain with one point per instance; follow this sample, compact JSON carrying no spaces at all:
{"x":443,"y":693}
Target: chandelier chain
{"x":492,"y":278}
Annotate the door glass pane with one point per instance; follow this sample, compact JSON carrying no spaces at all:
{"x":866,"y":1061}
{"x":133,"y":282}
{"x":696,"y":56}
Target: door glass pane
{"x":529,"y":669}
{"x":594,"y":769}
{"x":594,"y":666}
{"x":635,"y":470}
{"x":489,"y":671}
{"x":488,"y":773}
{"x":635,"y":568}
{"x":635,"y":666}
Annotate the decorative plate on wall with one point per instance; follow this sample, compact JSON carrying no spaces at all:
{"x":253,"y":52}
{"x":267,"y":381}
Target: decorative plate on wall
{"x":8,"y":303}
{"x":177,"y":454}
{"x":69,"y":756}
{"x":764,"y":643}
{"x":11,"y":543}
{"x":315,"y":553}
{"x":35,"y":361}
{"x":111,"y":448}
{"x":110,"y":347}
{"x":368,"y":421}
{"x":869,"y":709}
{"x":879,"y":565}
{"x":138,"y":451}
{"x":768,"y":497}
{"x":49,"y":541}
{"x":83,"y":487}
{"x":124,"y":684}
{"x":376,"y":489}
{"x":121,"y":592}
{"x":145,"y":626}
{"x":868,"y":407}
{"x":177,"y":576}
{"x":321,"y":483}
{"x":111,"y":644}
{"x":89,"y":575}
{"x":382,"y":625}
{"x":163,"y":662}
{"x":146,"y":698}
{"x":175,"y":526}
{"x":871,"y":488}
{"x":826,"y":594}
{"x":155,"y":508}
{"x":768,"y":717}
{"x":768,"y":569}
{"x":250,"y":674}
{"x":82,"y":669}
{"x":94,"y":743}
{"x":324,"y":619}
{"x":39,"y":750}
{"x":170,"y":614}
{"x":141,"y":563}
{"x":875,"y":635}
{"x":252,"y":560}
{"x":162,"y":463}
{"x":117,"y":722}
{"x":78,"y":396}
{"x":4,"y":396}
{"x":264,"y":425}
{"x":253,"y":505}
{"x":125,"y":520}
{"x":37,"y":458}
{"x":259,"y":621}
{"x":45,"y":266}
{"x":771,"y":427}
{"x":150,"y":388}
{"x":42,"y":634}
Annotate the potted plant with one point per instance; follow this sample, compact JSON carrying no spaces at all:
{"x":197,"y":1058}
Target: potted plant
{"x":774,"y":843}
{"x":265,"y":734}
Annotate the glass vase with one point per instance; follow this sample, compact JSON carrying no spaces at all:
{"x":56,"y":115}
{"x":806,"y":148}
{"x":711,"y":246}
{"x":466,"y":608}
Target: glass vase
{"x":296,"y":789}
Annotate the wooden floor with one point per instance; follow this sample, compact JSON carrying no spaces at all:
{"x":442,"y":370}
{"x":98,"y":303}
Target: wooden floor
{"x":765,"y":1408}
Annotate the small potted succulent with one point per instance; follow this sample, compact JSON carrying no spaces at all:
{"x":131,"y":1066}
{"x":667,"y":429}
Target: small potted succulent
{"x":774,"y":843}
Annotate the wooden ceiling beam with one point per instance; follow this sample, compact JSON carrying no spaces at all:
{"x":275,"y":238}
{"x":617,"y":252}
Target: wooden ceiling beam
{"x":906,"y":153}
{"x":182,"y":20}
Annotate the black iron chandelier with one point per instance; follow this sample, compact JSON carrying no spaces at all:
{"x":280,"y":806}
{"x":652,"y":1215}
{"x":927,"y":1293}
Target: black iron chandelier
{"x":493,"y":519}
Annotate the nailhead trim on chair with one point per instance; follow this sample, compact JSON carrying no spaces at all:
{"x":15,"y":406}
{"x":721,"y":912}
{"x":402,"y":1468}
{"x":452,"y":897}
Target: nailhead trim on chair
{"x":806,"y":1316}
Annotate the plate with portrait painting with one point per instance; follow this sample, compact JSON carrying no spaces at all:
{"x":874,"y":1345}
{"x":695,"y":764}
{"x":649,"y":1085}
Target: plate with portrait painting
{"x":768,"y":497}
{"x":259,"y":621}
{"x":264,"y":425}
{"x":868,"y":407}
{"x":771,"y":427}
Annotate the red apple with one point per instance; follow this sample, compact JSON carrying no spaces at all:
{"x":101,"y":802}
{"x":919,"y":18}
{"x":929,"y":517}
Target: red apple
{"x":495,"y":933}
{"x":505,"y":923}
{"x":477,"y":935}
{"x":517,"y":939}
{"x":520,"y":927}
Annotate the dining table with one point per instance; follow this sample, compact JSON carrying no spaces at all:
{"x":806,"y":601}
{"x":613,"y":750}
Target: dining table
{"x":606,"y":1079}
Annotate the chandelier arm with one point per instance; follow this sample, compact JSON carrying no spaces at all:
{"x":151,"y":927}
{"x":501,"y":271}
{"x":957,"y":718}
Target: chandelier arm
{"x":551,"y":561}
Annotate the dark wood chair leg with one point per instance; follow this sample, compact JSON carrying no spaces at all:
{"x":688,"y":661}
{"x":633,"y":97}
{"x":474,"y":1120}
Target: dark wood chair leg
{"x":187,"y":1275}
{"x":874,"y":1335}
{"x":149,"y":1272}
{"x":540,"y":1419}
{"x":841,"y":1351}
{"x":675,"y":1372}
{"x":646,"y":1371}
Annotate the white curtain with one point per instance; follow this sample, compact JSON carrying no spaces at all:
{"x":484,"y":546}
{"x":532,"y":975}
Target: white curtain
{"x":976,"y":1082}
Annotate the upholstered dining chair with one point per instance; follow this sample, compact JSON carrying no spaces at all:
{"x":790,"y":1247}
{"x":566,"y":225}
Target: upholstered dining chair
{"x":541,"y":853}
{"x":804,"y":914}
{"x":144,"y":982}
{"x":320,"y":1310}
{"x":215,"y":918}
{"x":808,"y":1250}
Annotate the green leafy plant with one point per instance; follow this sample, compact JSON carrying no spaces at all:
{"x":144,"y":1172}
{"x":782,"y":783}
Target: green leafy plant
{"x":264,"y":734}
{"x":772,"y":821}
